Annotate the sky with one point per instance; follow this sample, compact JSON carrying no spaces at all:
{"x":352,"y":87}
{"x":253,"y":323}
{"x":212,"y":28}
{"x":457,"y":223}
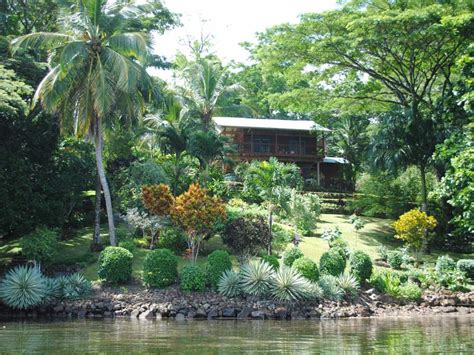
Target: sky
{"x":230,"y":23}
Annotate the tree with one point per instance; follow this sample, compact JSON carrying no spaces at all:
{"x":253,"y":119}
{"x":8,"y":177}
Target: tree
{"x":95,"y":70}
{"x":270,"y":180}
{"x":403,"y":51}
{"x":198,"y":213}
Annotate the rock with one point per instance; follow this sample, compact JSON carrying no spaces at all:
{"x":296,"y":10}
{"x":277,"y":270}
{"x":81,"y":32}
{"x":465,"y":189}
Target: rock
{"x":135,"y":313}
{"x":448,"y":302}
{"x":229,"y":312}
{"x":179,"y":317}
{"x":146,"y":315}
{"x":119,"y":297}
{"x":213,"y":313}
{"x":450,"y":310}
{"x":191,"y":315}
{"x":59,"y":308}
{"x":107,"y":314}
{"x":245,"y":313}
{"x":281,"y":313}
{"x":201,"y":313}
{"x":370,"y":291}
{"x":257,"y":315}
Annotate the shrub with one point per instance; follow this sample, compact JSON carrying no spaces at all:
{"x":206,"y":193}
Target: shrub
{"x":444,"y":264}
{"x":448,"y":275}
{"x":288,"y":285}
{"x":173,"y":239}
{"x":330,"y":287}
{"x":383,"y":252}
{"x":193,"y":278}
{"x":332,"y":263}
{"x":467,"y":266}
{"x":217,"y":262}
{"x":160,"y":268}
{"x":41,"y":245}
{"x":412,"y":226}
{"x":361,"y":266}
{"x":340,"y":245}
{"x":315,"y":291}
{"x":409,"y":291}
{"x":307,"y":268}
{"x":256,"y":278}
{"x":395,"y":259}
{"x":272,"y":260}
{"x":115,"y":265}
{"x":229,"y":284}
{"x":128,"y":244}
{"x":23,"y":287}
{"x":348,"y":283}
{"x":331,"y":235}
{"x":304,"y":210}
{"x":72,"y":287}
{"x":291,"y":254}
{"x":246,"y":236}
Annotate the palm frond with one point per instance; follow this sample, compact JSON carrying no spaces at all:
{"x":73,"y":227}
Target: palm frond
{"x":41,"y":40}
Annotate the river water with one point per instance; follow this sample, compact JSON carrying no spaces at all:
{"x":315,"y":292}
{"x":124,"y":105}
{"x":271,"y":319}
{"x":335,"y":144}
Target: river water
{"x":382,"y":335}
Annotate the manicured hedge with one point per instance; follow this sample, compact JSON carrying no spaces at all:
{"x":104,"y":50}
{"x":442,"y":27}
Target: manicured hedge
{"x":115,"y":265}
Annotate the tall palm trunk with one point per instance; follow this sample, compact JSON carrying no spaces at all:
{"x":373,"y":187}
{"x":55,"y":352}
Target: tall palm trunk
{"x":98,"y":200}
{"x":103,"y":181}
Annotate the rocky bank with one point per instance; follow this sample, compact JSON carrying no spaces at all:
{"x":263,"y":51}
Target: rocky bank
{"x":171,"y":303}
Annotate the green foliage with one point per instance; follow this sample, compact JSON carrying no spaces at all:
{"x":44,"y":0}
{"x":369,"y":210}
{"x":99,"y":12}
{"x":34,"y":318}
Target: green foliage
{"x":349,"y":284}
{"x":288,"y":285}
{"x":193,"y":278}
{"x":413,"y":226}
{"x":217,"y":263}
{"x":331,"y":289}
{"x":332,"y":263}
{"x":256,"y":278}
{"x":128,"y":244}
{"x":41,"y":245}
{"x":229,"y":284}
{"x":395,"y":259}
{"x":444,"y":264}
{"x":72,"y":287}
{"x":115,"y":265}
{"x":341,"y":246}
{"x":331,"y":235}
{"x":13,"y":93}
{"x":383,"y":252}
{"x":246,"y":236}
{"x":272,"y":260}
{"x":23,"y":287}
{"x":304,"y":210}
{"x":172,"y":239}
{"x":291,"y":254}
{"x":467,"y":266}
{"x":307,"y":268}
{"x":446,"y":274}
{"x":160,"y":268}
{"x":361,"y":266}
{"x":410,"y":292}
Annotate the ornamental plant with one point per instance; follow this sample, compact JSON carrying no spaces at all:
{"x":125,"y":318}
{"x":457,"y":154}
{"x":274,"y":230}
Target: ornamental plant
{"x":413,"y":227}
{"x":361,"y":266}
{"x":332,"y":263}
{"x":159,"y":201}
{"x":115,"y":265}
{"x":193,"y":278}
{"x":41,"y":245}
{"x":307,"y":268}
{"x":197,"y":213}
{"x":217,"y":263}
{"x":291,"y":254}
{"x":160,"y":268}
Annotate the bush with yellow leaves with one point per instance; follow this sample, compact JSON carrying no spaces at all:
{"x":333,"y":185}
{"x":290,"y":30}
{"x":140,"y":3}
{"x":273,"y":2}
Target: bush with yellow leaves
{"x":413,"y":227}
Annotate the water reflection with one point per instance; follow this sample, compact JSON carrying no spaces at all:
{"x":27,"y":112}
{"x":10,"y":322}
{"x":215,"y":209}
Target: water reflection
{"x":390,"y":335}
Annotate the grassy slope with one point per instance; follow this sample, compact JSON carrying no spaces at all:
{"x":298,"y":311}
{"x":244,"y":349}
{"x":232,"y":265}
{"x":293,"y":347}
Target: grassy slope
{"x":375,"y":233}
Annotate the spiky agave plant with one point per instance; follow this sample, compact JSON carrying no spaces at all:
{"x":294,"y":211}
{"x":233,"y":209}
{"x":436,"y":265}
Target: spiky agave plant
{"x":331,"y":289}
{"x":256,"y":278}
{"x":229,"y":284}
{"x":76,"y":286}
{"x":314,"y":291}
{"x":289,"y":286}
{"x":23,"y":287}
{"x":348,"y":283}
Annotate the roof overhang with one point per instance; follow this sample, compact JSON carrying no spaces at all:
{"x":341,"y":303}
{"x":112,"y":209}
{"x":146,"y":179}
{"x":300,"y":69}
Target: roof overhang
{"x":264,"y":123}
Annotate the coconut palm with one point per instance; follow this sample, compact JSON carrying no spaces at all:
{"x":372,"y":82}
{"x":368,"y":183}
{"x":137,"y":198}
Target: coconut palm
{"x":96,"y":70}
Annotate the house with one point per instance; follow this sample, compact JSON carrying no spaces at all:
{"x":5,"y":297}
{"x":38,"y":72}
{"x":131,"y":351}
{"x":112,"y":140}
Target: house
{"x":300,"y":142}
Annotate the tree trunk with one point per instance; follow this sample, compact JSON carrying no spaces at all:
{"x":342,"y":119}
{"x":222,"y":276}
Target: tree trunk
{"x":424,"y":194}
{"x":98,"y":199}
{"x":103,"y":182}
{"x":270,"y":224}
{"x":154,"y":239}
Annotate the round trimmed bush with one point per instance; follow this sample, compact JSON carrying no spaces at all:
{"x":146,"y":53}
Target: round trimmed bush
{"x":41,"y":245}
{"x":361,"y":266}
{"x":291,"y":254}
{"x":340,"y":245}
{"x":115,"y":265}
{"x":217,"y":262}
{"x":467,"y":266}
{"x":272,"y":260}
{"x":160,"y":268}
{"x":307,"y":268}
{"x":395,"y":259}
{"x":128,"y":244}
{"x":173,"y":239}
{"x":332,"y":263}
{"x":193,"y":278}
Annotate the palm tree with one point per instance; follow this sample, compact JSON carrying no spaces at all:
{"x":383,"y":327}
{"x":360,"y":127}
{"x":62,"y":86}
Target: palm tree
{"x":95,"y":70}
{"x":206,"y":81}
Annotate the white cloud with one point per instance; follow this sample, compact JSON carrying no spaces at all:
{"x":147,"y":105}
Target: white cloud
{"x":230,"y":22}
